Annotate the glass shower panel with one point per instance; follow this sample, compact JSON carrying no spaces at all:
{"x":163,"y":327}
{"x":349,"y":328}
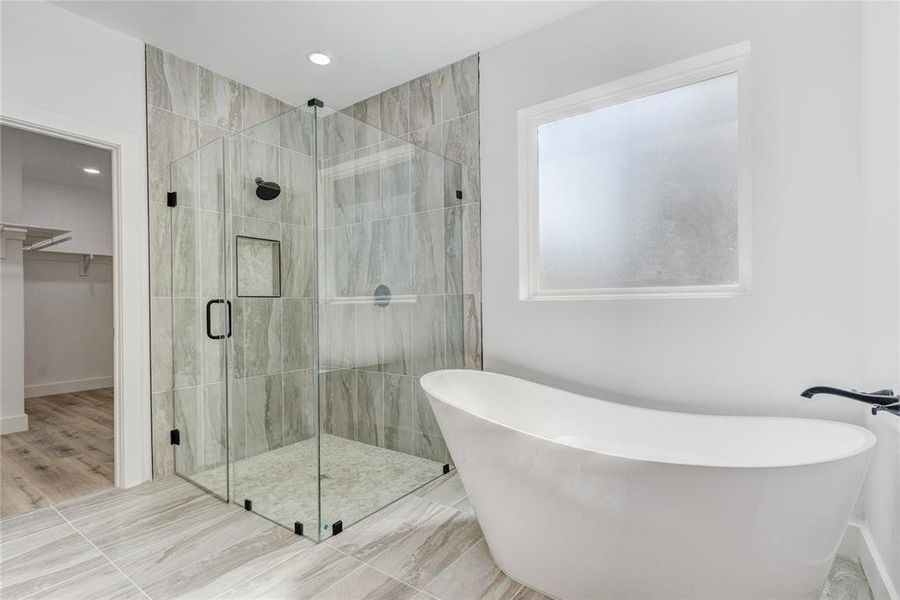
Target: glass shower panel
{"x":200,"y":325}
{"x":390,"y":310}
{"x":271,"y":231}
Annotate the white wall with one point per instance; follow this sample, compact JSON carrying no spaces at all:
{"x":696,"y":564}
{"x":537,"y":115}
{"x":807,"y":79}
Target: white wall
{"x":87,"y":213}
{"x":881,"y":274}
{"x":823,"y":306}
{"x":68,"y":324}
{"x":63,"y":72}
{"x":801,"y":324}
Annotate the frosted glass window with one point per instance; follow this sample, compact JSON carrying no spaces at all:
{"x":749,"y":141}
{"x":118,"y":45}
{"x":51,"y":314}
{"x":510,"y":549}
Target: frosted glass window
{"x":636,"y":190}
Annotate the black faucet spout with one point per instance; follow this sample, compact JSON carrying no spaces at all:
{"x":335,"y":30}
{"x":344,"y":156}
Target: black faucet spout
{"x":879,"y":398}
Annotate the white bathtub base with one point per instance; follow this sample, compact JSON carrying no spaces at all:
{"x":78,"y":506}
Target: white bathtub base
{"x":582,"y":524}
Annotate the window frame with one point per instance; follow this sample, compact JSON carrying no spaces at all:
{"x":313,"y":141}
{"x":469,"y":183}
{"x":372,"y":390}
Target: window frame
{"x":733,"y":59}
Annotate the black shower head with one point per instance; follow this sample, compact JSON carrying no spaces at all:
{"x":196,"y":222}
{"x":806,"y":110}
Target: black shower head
{"x":267,"y":190}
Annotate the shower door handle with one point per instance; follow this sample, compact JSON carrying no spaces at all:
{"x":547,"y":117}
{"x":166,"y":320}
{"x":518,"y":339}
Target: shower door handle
{"x":209,"y":332}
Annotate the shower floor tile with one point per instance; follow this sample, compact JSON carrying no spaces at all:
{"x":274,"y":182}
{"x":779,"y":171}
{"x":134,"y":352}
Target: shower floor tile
{"x":357,"y":480}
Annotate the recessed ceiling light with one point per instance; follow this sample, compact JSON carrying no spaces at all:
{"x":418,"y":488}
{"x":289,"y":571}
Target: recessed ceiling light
{"x":91,"y":170}
{"x":319,"y":59}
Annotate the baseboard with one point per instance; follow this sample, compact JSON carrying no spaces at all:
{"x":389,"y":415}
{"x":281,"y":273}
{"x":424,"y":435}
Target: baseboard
{"x":13,"y":424}
{"x":67,"y":387}
{"x":858,"y":543}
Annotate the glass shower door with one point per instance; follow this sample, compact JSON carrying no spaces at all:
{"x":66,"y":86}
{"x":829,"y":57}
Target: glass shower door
{"x":200,"y":318}
{"x":273,"y":375}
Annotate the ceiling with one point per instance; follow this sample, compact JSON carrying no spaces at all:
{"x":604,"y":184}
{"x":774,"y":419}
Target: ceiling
{"x":60,"y":161}
{"x":374,"y":45}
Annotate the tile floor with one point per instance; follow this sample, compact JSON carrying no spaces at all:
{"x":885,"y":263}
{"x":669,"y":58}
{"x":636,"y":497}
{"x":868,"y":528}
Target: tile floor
{"x":358,"y":479}
{"x":168,"y":539}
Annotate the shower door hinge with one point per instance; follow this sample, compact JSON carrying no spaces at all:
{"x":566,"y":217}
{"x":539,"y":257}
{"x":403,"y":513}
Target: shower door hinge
{"x":315,"y":102}
{"x":459,"y":194}
{"x":446,"y":469}
{"x":337,"y":527}
{"x":171,"y":199}
{"x":298,"y":527}
{"x":248,"y":504}
{"x":175,"y":437}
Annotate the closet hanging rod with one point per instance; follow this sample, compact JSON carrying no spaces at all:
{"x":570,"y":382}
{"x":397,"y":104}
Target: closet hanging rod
{"x":47,"y":243}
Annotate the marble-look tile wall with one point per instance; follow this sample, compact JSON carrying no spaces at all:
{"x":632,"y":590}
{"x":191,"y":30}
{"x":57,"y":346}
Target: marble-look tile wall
{"x":393,"y":216}
{"x":188,"y":107}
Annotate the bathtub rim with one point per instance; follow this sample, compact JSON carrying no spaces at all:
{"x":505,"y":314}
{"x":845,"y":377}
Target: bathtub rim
{"x":870,"y":439}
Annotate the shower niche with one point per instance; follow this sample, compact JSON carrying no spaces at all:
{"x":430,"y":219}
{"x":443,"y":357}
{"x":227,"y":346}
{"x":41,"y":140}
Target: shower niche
{"x":316,"y":276}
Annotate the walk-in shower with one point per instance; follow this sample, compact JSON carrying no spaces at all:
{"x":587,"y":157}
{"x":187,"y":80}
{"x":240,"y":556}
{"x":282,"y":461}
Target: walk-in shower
{"x":316,"y":275}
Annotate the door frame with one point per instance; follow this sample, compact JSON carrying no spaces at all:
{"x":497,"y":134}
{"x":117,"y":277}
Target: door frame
{"x":131,"y":277}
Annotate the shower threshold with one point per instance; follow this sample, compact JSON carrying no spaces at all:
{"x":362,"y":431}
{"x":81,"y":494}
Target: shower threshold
{"x":357,"y":480}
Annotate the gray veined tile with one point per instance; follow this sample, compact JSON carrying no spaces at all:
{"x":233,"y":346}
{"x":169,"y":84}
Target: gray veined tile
{"x":213,"y":429}
{"x":160,"y":250}
{"x":259,"y":160}
{"x":211,"y":176}
{"x":474,"y":576}
{"x":396,"y":165}
{"x":461,"y":145}
{"x":301,"y":576}
{"x":395,"y":110}
{"x":366,"y":583}
{"x":298,"y":333}
{"x":342,"y":409}
{"x":166,"y":493}
{"x":373,"y":535}
{"x":257,"y":332}
{"x":298,"y":265}
{"x":369,"y":337}
{"x":169,"y":137}
{"x":396,"y":246}
{"x":471,"y":249}
{"x":230,"y":565}
{"x":163,"y":419}
{"x":337,"y":132}
{"x":187,"y":314}
{"x":425,"y":101}
{"x":454,"y":314}
{"x":13,"y":528}
{"x":398,"y":412}
{"x":433,"y":546}
{"x":300,"y":406}
{"x":459,"y":89}
{"x":257,"y":107}
{"x":161,"y":350}
{"x":397,"y":346}
{"x":212,"y":254}
{"x":211,"y":133}
{"x":429,"y":337}
{"x":172,"y":83}
{"x":220,"y":100}
{"x":297,"y":131}
{"x":193,"y":542}
{"x":36,"y":563}
{"x":427,"y":175}
{"x":339,"y":327}
{"x":526,"y":593}
{"x":370,"y":399}
{"x":367,"y":179}
{"x":185,"y":252}
{"x":265,"y":414}
{"x":368,"y":115}
{"x":472,"y":332}
{"x":105,"y":582}
{"x":298,"y":184}
{"x":446,"y":491}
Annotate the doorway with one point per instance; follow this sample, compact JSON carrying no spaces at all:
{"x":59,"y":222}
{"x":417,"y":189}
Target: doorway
{"x":58,"y":410}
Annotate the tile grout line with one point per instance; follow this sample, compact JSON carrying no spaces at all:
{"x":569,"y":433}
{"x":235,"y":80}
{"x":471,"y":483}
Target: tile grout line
{"x":374,"y":568}
{"x":103,"y":554}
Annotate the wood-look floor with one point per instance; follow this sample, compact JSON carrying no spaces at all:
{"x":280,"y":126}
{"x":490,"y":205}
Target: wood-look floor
{"x":67,"y":451}
{"x":168,"y":539}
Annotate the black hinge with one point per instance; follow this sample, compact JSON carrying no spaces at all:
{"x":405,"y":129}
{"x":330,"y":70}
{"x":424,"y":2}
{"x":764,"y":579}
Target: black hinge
{"x":171,"y":199}
{"x":248,"y":504}
{"x":315,"y":102}
{"x":298,"y":527}
{"x":337,"y":527}
{"x":459,"y":194}
{"x":175,"y":437}
{"x":446,"y":469}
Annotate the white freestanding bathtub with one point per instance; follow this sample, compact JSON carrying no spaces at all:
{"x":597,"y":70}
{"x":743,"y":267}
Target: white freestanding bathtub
{"x":582,"y":498}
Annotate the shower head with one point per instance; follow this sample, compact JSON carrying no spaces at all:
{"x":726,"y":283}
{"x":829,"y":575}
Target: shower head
{"x":267,"y":190}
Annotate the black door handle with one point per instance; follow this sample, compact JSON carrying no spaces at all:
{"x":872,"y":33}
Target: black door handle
{"x":228,"y":304}
{"x":209,"y":332}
